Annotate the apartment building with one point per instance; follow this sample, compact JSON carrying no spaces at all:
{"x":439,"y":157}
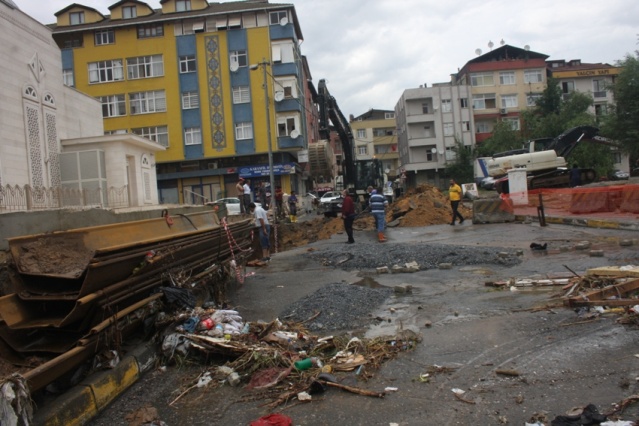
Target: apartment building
{"x":375,"y":134}
{"x":592,"y":79}
{"x":190,"y":76}
{"x":431,"y":121}
{"x":504,"y":82}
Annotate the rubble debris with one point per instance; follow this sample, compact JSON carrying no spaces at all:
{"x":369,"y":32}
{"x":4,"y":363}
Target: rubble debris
{"x":507,"y":372}
{"x":144,"y":416}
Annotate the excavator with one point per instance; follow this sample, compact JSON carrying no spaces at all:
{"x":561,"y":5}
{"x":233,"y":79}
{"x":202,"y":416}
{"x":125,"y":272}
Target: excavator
{"x":357,"y":175}
{"x":547,"y":168}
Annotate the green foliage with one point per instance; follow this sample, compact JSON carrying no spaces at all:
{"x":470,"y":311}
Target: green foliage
{"x":461,"y":169}
{"x":592,"y":156}
{"x":622,"y":121}
{"x":503,"y":139}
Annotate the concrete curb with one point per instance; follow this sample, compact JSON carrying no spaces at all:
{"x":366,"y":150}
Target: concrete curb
{"x":588,"y":223}
{"x":84,"y":401}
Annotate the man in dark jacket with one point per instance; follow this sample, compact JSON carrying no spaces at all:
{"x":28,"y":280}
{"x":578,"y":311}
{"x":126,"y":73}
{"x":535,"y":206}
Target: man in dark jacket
{"x":348,"y":214}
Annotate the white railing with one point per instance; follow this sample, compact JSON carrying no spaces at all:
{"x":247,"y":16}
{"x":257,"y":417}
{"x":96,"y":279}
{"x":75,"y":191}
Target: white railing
{"x":21,"y":198}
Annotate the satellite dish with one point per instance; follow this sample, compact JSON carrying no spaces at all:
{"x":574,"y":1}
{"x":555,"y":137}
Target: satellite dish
{"x":526,"y":47}
{"x":502,"y":42}
{"x":295,"y":134}
{"x":433,"y":150}
{"x":477,"y":52}
{"x":440,"y":152}
{"x":278,"y":96}
{"x":284,"y":21}
{"x":490,"y":44}
{"x":234,"y":66}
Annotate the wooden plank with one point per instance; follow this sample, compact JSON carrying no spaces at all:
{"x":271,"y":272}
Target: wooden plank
{"x":614,"y":271}
{"x":605,"y":295}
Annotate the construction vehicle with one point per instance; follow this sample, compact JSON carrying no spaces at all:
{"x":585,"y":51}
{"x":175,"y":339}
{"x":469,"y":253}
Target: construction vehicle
{"x":545,"y":168}
{"x":356,"y":175}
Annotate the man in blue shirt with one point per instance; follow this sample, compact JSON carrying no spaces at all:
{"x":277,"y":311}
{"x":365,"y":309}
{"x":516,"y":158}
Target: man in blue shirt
{"x":378,"y":204}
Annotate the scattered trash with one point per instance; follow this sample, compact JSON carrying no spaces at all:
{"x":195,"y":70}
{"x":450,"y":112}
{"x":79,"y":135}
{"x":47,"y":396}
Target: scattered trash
{"x":458,"y":391}
{"x":505,"y":372}
{"x":276,"y":419}
{"x":204,"y":380}
{"x":304,"y":396}
{"x":390,"y":389}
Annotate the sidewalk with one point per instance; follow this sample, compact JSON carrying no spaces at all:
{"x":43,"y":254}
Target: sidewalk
{"x":615,"y":220}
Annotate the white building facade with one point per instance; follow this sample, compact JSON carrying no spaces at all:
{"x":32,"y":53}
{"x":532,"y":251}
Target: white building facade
{"x":431,"y":122}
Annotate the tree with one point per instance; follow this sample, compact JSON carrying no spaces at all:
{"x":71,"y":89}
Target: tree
{"x":622,"y":121}
{"x":461,"y":169}
{"x":504,"y":138}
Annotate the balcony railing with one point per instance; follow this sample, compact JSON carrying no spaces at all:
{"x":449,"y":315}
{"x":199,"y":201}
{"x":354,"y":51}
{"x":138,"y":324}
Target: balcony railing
{"x":21,"y":198}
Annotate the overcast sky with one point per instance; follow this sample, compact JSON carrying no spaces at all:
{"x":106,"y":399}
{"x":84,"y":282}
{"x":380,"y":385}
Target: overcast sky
{"x":370,"y":51}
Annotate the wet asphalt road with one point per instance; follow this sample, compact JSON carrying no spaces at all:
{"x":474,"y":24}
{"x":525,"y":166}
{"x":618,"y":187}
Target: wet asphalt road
{"x":465,"y":325}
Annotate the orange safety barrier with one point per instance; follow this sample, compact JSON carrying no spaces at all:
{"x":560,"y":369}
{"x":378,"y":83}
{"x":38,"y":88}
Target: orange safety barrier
{"x":630,"y":200}
{"x":591,"y":202}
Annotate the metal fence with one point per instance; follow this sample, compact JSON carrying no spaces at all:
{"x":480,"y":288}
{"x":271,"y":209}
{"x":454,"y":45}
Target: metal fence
{"x":20,"y":198}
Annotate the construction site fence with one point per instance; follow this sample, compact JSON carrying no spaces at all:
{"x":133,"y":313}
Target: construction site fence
{"x":622,"y":199}
{"x":30,"y":198}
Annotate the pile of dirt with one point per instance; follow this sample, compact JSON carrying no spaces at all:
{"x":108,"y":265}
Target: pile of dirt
{"x":421,"y":206}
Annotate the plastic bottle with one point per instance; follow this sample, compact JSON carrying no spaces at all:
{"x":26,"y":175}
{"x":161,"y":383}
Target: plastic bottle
{"x":303,"y":364}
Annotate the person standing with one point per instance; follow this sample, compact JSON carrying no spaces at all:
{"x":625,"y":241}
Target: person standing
{"x":239,"y":187}
{"x":292,"y":207}
{"x":348,"y":214}
{"x":455,"y":194}
{"x":575,"y":176}
{"x":247,"y":195}
{"x":261,"y":222}
{"x":378,"y":204}
{"x":279,"y":201}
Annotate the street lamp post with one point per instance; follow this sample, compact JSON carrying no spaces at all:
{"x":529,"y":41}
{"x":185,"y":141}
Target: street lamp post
{"x":253,"y":67}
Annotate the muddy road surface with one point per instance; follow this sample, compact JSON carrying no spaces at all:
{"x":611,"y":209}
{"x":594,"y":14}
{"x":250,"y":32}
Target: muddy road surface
{"x":511,"y":356}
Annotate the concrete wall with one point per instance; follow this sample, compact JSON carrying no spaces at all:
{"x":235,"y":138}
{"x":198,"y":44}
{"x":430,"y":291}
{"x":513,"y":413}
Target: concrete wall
{"x":20,"y":224}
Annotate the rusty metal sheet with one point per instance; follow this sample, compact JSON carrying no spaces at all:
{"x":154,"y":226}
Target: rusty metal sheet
{"x":66,"y":254}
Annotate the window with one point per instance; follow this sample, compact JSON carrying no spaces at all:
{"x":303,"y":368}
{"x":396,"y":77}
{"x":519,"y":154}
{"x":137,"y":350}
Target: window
{"x":243,"y":131}
{"x":463,"y":102}
{"x":113,"y":106}
{"x":533,"y":76}
{"x":466,"y":126}
{"x":484,"y":101}
{"x":115,"y":132}
{"x":241,"y":95}
{"x":276,"y":17}
{"x":389,"y":115}
{"x":507,"y":77}
{"x":104,"y":37}
{"x":430,"y":155}
{"x":509,"y":101}
{"x":448,"y":129}
{"x":512,"y":122}
{"x":182,"y":5}
{"x":76,"y":18}
{"x":190,"y":100}
{"x":532,"y":98}
{"x":482,"y":127}
{"x":75,"y":40}
{"x":192,"y":136}
{"x":129,"y":12}
{"x":602,"y":109}
{"x":567,"y":87}
{"x":599,"y":89}
{"x":361,"y":133}
{"x":151,"y":30}
{"x":425,"y":108}
{"x":67,"y":78}
{"x":239,"y":57}
{"x":288,"y":92}
{"x":484,"y":79}
{"x":362,"y":150}
{"x":147,"y":102}
{"x":447,"y":106}
{"x":285,"y":125}
{"x":105,"y":71}
{"x":145,"y":67}
{"x":187,"y":64}
{"x":159,"y":134}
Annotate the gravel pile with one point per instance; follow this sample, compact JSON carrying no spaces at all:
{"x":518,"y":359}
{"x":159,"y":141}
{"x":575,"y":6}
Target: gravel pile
{"x":427,"y":256}
{"x":341,"y":307}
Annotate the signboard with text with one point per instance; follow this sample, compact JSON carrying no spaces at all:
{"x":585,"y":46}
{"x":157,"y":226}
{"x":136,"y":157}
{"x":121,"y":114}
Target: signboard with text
{"x":262,"y":170}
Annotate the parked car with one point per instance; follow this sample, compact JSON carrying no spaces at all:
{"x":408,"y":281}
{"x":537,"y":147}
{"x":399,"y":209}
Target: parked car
{"x":330,"y":196}
{"x":232,"y":204}
{"x":619,"y":175}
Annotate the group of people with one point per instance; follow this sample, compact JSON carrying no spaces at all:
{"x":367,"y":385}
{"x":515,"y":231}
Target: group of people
{"x":263,"y":196}
{"x":377,"y":204}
